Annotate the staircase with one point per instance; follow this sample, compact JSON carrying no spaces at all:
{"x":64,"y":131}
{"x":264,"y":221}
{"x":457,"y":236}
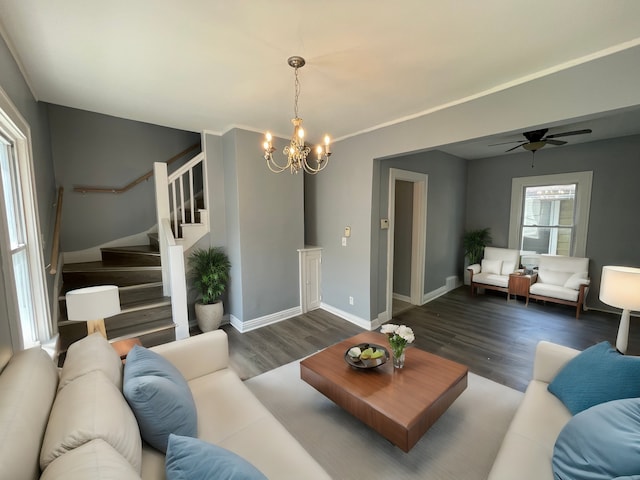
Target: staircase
{"x":136,"y":270}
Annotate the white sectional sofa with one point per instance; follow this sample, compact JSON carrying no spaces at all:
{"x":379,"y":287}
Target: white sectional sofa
{"x":493,"y":271}
{"x":562,"y":280}
{"x":527,"y":448}
{"x":76,"y":424}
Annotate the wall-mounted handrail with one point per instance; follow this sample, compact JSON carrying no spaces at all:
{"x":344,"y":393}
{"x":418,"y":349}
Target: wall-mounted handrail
{"x":142,"y":178}
{"x":55,"y":245}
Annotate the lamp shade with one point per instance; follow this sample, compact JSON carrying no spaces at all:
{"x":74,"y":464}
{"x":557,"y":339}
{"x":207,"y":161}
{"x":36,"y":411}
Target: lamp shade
{"x":93,"y":303}
{"x":620,"y":287}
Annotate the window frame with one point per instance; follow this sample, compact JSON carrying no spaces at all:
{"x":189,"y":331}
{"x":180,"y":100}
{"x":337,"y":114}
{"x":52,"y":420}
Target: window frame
{"x":583,"y":181}
{"x":16,"y":130}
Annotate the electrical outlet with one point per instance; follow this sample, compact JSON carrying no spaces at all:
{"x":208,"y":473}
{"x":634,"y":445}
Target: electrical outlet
{"x":350,"y":300}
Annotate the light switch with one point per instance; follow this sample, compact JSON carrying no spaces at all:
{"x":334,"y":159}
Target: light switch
{"x":384,"y":223}
{"x":344,"y":241}
{"x":347,"y":232}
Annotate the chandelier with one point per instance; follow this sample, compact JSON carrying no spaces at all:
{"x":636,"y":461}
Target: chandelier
{"x":297,"y":151}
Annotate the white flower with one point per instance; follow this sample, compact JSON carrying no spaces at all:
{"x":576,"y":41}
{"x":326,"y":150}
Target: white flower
{"x":389,"y":328}
{"x":406,"y":333}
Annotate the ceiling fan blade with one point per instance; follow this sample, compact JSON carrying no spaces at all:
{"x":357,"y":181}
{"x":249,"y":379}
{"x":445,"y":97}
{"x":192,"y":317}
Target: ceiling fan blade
{"x":517,"y":146}
{"x":555,"y":142}
{"x":505,"y":143}
{"x":567,"y":134}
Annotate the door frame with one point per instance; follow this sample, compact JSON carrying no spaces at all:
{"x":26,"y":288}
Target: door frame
{"x":418,"y":234}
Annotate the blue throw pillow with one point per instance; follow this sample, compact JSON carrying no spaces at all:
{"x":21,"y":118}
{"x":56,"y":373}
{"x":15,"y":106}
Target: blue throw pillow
{"x":159,"y":396}
{"x":600,"y":443}
{"x":598,"y":374}
{"x":190,"y":458}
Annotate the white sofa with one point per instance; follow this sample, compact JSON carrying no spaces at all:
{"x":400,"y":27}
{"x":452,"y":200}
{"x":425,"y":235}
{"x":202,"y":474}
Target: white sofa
{"x":37,"y":430}
{"x":493,"y":271}
{"x":527,"y":448}
{"x":562,"y":280}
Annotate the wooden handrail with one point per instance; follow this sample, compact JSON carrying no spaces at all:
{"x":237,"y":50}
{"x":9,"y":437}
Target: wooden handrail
{"x":146,"y":176}
{"x":55,"y":245}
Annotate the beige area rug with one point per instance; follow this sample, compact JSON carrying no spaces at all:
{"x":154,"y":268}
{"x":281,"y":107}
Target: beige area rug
{"x":461,"y":445}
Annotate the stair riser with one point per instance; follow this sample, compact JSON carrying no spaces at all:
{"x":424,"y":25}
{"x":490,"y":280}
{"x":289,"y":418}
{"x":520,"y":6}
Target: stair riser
{"x":131,"y":259}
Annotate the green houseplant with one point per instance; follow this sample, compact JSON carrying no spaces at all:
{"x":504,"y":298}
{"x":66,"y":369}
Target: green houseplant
{"x":210,"y":274}
{"x":474,"y":242}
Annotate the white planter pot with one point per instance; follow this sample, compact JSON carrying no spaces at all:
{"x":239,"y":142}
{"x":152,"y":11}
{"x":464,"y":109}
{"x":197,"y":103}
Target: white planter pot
{"x":209,"y":316}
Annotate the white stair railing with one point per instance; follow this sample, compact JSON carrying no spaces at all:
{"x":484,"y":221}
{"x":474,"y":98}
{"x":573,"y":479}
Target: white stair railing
{"x":176,"y":194}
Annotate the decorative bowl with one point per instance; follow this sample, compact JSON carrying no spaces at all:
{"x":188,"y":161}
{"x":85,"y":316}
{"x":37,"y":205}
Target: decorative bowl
{"x":366,"y":363}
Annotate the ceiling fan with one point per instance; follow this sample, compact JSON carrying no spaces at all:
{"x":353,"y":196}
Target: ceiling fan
{"x":536,"y":139}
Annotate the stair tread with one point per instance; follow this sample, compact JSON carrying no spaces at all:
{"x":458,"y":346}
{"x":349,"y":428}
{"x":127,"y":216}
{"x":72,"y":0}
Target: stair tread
{"x":139,"y":249}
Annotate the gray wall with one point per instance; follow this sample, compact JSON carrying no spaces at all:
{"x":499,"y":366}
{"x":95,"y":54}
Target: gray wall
{"x":402,"y":238}
{"x":14,"y":85}
{"x":346,"y":192}
{"x":445,"y":217}
{"x":614,"y":227}
{"x":100,"y":150}
{"x":265,"y":228}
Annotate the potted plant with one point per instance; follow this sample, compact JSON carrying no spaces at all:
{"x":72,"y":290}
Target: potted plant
{"x":474,"y":242}
{"x":210,"y":273}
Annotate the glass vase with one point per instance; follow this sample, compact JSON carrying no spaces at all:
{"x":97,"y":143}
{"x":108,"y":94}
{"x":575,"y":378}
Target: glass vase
{"x":398,"y":359}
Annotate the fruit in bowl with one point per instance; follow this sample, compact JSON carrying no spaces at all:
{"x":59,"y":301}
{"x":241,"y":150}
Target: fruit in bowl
{"x":355,"y":353}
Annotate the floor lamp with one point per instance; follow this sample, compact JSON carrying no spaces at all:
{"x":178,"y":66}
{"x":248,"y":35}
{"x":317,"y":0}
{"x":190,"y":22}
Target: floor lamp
{"x":620,"y":287}
{"x":93,"y":305}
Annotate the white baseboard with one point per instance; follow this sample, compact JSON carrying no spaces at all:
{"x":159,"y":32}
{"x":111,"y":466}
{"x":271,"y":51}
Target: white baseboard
{"x":254,"y":323}
{"x":402,"y":298}
{"x":351,"y":318}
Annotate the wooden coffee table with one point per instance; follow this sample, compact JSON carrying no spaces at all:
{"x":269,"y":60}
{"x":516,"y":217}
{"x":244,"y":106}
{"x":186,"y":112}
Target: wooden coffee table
{"x":400,"y":405}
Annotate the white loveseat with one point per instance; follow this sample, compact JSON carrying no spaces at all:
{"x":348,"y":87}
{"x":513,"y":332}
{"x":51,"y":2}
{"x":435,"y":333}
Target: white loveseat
{"x":76,"y":424}
{"x":527,"y":448}
{"x":494,"y":270}
{"x":561,"y":279}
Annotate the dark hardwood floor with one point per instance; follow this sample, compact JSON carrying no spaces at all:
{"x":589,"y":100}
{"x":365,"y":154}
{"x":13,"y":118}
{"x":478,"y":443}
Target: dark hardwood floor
{"x":494,"y":338}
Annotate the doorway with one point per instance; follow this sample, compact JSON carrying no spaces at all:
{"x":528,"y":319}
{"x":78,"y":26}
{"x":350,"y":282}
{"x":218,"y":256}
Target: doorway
{"x":411,"y":250}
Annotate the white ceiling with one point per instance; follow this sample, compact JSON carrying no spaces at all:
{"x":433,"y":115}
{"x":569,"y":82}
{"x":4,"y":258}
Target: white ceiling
{"x":215,"y":64}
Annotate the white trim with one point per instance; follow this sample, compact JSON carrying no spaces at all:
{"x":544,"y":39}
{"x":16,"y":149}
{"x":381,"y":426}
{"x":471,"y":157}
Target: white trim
{"x":430,"y":296}
{"x":15,"y":127}
{"x":583,"y":180}
{"x":418,"y":235}
{"x":254,"y":323}
{"x":402,"y":298}
{"x":351,"y":318}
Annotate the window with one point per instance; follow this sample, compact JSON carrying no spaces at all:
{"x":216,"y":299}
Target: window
{"x":549,"y":214}
{"x":548,"y":219}
{"x":22,"y":263}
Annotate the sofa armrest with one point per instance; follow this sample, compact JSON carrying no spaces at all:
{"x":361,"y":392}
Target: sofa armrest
{"x":198,"y":355}
{"x":475,"y":268}
{"x":549,"y":360}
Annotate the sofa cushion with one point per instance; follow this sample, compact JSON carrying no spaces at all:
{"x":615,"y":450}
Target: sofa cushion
{"x":91,"y":353}
{"x":577,"y":279}
{"x":27,"y":391}
{"x":95,"y":460}
{"x":600,"y":443}
{"x":553,"y":277}
{"x":508,"y":268}
{"x":492,"y":279}
{"x":598,"y":374}
{"x":554,"y":291}
{"x":491,"y":266}
{"x":87,"y":408}
{"x":189,"y":458}
{"x":159,"y":396}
